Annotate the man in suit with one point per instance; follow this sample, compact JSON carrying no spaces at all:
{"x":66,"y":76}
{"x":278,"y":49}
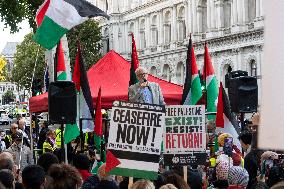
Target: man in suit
{"x":145,"y":91}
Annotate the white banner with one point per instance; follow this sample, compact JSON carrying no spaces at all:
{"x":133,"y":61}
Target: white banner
{"x":271,"y":128}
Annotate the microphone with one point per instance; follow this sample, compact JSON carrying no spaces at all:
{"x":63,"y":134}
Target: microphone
{"x":145,"y":80}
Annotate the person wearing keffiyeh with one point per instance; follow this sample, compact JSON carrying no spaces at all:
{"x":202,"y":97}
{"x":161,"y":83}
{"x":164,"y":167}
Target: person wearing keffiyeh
{"x":238,"y":178}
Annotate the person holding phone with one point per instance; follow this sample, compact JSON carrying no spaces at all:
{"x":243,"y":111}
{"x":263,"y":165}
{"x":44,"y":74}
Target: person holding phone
{"x":145,"y":91}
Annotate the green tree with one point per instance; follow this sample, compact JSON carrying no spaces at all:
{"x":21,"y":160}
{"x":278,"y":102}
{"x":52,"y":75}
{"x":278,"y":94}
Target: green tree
{"x":8,"y":97}
{"x":24,"y":62}
{"x":89,"y":36}
{"x":87,"y":33}
{"x":13,"y":12}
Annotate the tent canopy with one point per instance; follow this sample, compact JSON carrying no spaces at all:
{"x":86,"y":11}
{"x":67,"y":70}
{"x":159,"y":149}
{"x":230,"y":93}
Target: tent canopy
{"x":112,"y":73}
{"x":38,"y":103}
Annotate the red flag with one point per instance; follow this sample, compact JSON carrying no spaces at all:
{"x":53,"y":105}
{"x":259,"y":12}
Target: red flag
{"x":134,"y":63}
{"x":208,"y":67}
{"x":99,"y":117}
{"x":60,"y":59}
{"x":111,"y":161}
{"x":134,"y":55}
{"x":77,"y":74}
{"x":220,"y":108}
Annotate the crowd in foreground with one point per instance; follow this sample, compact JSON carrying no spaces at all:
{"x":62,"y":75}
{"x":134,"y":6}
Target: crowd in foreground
{"x":227,"y":167}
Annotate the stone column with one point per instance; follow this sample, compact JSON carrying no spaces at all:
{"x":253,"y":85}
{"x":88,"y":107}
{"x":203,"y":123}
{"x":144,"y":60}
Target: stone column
{"x":257,"y":8}
{"x":261,"y":7}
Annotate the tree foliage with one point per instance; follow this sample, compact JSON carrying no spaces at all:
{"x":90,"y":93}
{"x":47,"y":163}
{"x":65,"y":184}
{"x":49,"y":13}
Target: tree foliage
{"x":24,"y":62}
{"x":87,"y":33}
{"x":89,"y":36}
{"x":13,"y":12}
{"x":3,"y":64}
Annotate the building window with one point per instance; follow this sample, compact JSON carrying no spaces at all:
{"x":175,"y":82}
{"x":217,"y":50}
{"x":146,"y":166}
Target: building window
{"x":180,"y":73}
{"x":167,"y":27}
{"x":253,"y":68}
{"x":202,"y":16}
{"x":166,"y":73}
{"x":181,"y":24}
{"x":153,"y":71}
{"x":227,"y":13}
{"x":250,"y":10}
{"x":142,"y":34}
{"x":154,"y":31}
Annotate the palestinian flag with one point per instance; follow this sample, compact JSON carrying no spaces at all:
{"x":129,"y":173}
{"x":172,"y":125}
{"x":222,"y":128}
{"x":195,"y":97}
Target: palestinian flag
{"x":98,"y":130}
{"x":192,"y":87}
{"x":111,"y":161}
{"x":71,"y":130}
{"x":55,"y":17}
{"x":82,"y":86}
{"x":225,"y":120}
{"x":211,"y":84}
{"x":134,"y":63}
{"x":60,"y":63}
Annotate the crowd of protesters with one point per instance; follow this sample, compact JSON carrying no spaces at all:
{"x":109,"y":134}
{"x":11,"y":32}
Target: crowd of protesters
{"x":227,"y":168}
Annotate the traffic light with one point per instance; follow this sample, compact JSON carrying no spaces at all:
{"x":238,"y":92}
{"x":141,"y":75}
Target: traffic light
{"x":37,"y":87}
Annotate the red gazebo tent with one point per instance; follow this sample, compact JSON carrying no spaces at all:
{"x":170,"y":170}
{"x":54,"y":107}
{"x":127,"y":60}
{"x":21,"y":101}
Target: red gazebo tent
{"x":38,"y":103}
{"x":112,"y":74}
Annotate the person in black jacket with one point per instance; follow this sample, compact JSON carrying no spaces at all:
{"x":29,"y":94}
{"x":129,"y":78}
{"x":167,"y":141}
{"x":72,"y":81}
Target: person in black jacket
{"x":252,"y":156}
{"x":42,"y":135}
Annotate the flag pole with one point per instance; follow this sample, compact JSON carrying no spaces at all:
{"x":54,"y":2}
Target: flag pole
{"x":56,"y":62}
{"x":205,"y":87}
{"x":31,"y":129}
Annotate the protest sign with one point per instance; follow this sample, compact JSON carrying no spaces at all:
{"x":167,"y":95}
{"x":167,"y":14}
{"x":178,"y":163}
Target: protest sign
{"x":185,"y":135}
{"x":135,"y":138}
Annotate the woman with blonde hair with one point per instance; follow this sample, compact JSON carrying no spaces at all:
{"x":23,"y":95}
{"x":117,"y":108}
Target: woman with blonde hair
{"x":143,"y":184}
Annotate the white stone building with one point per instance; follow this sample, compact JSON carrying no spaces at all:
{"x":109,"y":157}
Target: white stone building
{"x":233,"y":30}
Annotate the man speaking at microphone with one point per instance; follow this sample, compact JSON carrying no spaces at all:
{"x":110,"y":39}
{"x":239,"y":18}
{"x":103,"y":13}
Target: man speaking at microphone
{"x":145,"y":91}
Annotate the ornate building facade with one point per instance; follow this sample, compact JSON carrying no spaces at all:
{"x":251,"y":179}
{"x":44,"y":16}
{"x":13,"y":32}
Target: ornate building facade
{"x":233,"y":30}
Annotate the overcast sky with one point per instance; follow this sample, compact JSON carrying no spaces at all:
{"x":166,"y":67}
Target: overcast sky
{"x":5,"y":35}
